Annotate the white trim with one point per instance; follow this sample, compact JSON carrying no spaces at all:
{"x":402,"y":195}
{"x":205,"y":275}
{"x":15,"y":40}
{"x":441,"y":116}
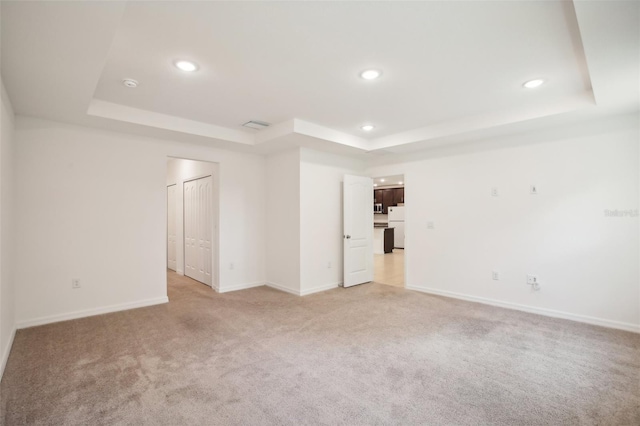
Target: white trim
{"x":305,"y":292}
{"x":197,"y":177}
{"x":7,"y":351}
{"x":240,"y":287}
{"x":104,"y":109}
{"x":318,"y":289}
{"x":282,"y":288}
{"x":634,"y":328}
{"x":91,"y":312}
{"x":180,"y":272}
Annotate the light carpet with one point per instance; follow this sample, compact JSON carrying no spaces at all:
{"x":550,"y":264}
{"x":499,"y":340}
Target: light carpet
{"x":371,"y":354}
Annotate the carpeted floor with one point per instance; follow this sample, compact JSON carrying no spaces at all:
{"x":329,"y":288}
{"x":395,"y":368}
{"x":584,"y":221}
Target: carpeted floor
{"x":371,"y":354}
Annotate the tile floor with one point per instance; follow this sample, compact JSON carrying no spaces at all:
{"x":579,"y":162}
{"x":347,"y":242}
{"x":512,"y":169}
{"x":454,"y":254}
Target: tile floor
{"x":389,"y":268}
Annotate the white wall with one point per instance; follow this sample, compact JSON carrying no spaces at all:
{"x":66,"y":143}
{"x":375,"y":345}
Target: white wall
{"x":91,"y":204}
{"x":283,"y":221}
{"x":321,"y":224}
{"x":587,"y":263}
{"x":179,"y":171}
{"x":7,"y":288}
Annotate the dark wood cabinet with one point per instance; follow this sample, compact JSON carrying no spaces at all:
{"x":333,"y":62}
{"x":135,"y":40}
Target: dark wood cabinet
{"x":388,"y":197}
{"x":398,"y":196}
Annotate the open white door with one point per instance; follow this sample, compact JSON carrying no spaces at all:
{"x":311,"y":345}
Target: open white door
{"x":358,"y":230}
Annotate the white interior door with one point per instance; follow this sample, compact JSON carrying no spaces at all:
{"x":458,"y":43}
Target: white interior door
{"x":190,"y":229}
{"x":198,"y":220}
{"x":171,"y":227}
{"x":358,"y":230}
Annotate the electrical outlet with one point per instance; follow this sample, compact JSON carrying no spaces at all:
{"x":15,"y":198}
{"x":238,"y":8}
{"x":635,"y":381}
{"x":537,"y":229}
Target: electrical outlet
{"x":533,"y":281}
{"x":495,"y":275}
{"x":231,"y":265}
{"x":75,"y":283}
{"x":494,"y":192}
{"x":533,"y":189}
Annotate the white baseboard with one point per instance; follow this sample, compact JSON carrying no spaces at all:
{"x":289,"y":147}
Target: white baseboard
{"x":179,"y":272}
{"x":239,"y":287}
{"x":90,"y":312}
{"x":6,"y":352}
{"x":635,"y":328}
{"x":318,"y":289}
{"x":282,"y":288}
{"x":305,"y":292}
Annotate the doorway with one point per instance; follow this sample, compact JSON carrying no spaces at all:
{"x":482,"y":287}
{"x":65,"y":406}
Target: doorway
{"x":192,"y":220}
{"x":389,"y":230}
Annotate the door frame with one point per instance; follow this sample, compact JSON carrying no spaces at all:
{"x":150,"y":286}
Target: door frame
{"x":213,"y":230}
{"x":167,"y":226}
{"x":404,"y":250}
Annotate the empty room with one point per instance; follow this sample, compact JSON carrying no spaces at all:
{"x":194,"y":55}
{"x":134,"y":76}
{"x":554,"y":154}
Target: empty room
{"x":320,"y":212}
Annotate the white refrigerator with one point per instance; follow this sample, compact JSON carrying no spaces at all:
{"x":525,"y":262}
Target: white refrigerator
{"x":396,"y":221}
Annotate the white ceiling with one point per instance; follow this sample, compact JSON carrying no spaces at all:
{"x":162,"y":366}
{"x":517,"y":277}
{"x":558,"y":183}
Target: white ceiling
{"x":450,"y":69}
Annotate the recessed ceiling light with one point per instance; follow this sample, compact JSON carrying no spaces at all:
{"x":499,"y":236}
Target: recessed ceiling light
{"x":370,"y":74}
{"x":367,"y":127}
{"x":375,"y":184}
{"x":532,"y":84}
{"x":130,"y":83}
{"x":381,"y":180}
{"x":186,"y":66}
{"x":400,"y":183}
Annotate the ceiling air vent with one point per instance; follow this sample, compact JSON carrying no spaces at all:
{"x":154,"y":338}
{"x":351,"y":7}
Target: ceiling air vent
{"x":258,"y":125}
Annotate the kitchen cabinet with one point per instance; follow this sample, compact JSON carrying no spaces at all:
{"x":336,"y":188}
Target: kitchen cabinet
{"x":388,"y":197}
{"x":398,"y":196}
{"x":383,"y":240}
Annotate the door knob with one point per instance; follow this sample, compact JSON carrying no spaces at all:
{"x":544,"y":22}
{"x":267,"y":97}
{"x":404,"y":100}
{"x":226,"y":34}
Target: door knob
{"x":348,"y":236}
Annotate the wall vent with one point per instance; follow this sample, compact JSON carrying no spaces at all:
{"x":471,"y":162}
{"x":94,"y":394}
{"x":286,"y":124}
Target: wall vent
{"x":258,"y":125}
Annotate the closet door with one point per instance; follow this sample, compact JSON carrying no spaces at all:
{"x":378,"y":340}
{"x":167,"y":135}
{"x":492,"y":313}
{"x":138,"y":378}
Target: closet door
{"x":203,"y":246}
{"x":197,"y":229}
{"x":189,"y":230}
{"x":171,"y":227}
